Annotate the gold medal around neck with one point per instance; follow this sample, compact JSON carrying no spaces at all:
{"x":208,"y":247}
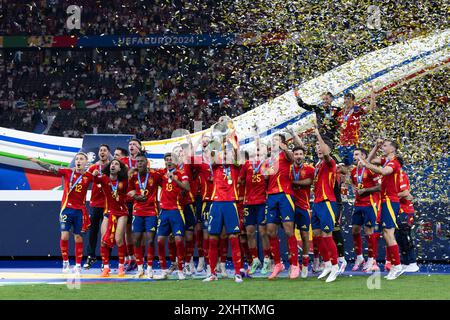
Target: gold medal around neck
{"x":360,"y":186}
{"x":230,"y":181}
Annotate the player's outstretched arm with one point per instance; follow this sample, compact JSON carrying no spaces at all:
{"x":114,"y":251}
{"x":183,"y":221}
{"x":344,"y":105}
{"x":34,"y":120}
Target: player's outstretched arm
{"x":297,"y":141}
{"x":301,"y":103}
{"x":372,"y":103}
{"x":288,"y":153}
{"x":46,"y":166}
{"x":323,"y":146}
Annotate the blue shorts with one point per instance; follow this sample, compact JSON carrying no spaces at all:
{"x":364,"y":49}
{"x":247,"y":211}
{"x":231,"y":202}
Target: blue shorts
{"x":366,"y":216}
{"x":302,"y":219}
{"x":189,"y":217}
{"x":389,"y":213}
{"x":346,"y":154}
{"x":198,"y":204}
{"x":206,"y":207}
{"x":223,"y":213}
{"x":280,"y":208}
{"x":324,"y":215}
{"x":170,"y":221}
{"x":144,"y":224}
{"x":69,"y":218}
{"x":255,"y":214}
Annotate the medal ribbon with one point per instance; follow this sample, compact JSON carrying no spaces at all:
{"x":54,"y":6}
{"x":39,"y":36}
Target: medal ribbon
{"x":71,"y":186}
{"x":297,"y":174}
{"x":144,"y":185}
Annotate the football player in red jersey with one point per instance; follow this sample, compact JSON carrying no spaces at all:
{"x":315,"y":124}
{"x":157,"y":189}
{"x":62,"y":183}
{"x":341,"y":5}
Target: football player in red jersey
{"x":303,"y":176}
{"x":349,"y":119}
{"x":73,"y":206}
{"x":280,"y":204}
{"x":97,"y":205}
{"x":120,"y":153}
{"x":405,"y":223}
{"x":171,"y":220}
{"x":223,"y":212}
{"x":114,"y":182}
{"x":325,"y":208}
{"x":134,"y":148}
{"x":366,"y":190}
{"x":252,"y":178}
{"x":390,"y":202}
{"x":204,"y":168}
{"x":143,"y":188}
{"x":186,"y":164}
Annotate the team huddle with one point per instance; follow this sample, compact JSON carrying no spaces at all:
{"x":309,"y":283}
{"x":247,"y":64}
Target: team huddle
{"x":210,"y":198}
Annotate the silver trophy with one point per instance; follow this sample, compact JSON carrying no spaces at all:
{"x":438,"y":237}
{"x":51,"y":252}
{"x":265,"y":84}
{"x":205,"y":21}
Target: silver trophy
{"x":219,"y":132}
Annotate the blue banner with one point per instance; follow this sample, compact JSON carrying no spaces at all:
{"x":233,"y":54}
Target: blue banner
{"x":154,"y":40}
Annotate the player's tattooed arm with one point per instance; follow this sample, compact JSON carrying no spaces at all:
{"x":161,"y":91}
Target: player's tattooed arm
{"x":46,"y":166}
{"x":371,"y":157}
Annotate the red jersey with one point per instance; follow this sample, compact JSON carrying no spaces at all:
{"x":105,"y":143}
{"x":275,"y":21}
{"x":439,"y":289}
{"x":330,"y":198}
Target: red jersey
{"x":350,"y":124}
{"x":171,"y":197}
{"x":390,"y":184}
{"x":223,"y":190}
{"x":188,"y":168}
{"x":281,"y":179}
{"x":302,"y":194}
{"x":254,"y":182}
{"x":75,"y":188}
{"x":115,"y":192}
{"x":148,"y":184}
{"x":206,"y":182}
{"x":324,"y":180}
{"x":365,"y":178}
{"x":129,"y":162}
{"x":97,"y":196}
{"x":406,"y":206}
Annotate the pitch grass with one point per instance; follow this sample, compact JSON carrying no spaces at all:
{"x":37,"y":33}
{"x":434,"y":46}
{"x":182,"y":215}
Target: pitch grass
{"x":405,"y":287}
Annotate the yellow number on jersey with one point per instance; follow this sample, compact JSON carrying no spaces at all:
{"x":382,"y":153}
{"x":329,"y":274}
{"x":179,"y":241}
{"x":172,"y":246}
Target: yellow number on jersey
{"x":169,"y":187}
{"x":256,"y":178}
{"x":78,"y":188}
